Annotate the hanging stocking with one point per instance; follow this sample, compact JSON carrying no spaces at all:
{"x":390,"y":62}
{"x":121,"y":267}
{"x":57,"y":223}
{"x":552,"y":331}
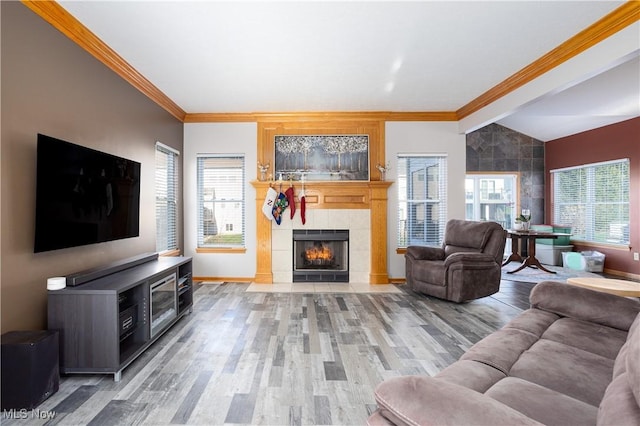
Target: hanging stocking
{"x":291,"y":199}
{"x":303,"y":205}
{"x":269,"y":201}
{"x":279,"y":207}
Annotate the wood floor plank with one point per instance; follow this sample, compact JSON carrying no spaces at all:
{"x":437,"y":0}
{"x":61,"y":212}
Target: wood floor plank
{"x":282,"y":358}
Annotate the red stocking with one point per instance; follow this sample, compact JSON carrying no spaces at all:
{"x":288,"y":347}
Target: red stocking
{"x":303,"y":208}
{"x":291,"y":199}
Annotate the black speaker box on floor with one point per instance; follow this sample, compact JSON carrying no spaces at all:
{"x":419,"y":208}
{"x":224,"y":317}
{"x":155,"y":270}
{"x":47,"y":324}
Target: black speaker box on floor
{"x":30,"y":372}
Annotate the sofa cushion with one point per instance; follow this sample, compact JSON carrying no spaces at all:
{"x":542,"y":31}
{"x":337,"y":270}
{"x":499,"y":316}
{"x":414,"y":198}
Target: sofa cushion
{"x":471,"y":374}
{"x":588,"y":336}
{"x":577,"y":373}
{"x":533,"y":321}
{"x":620,"y":365}
{"x":420,"y":400}
{"x":619,"y":406}
{"x":534,"y":401}
{"x":451,"y":249}
{"x":468,"y":234}
{"x":633,"y":360}
{"x":501,"y":349}
{"x":585,"y":304}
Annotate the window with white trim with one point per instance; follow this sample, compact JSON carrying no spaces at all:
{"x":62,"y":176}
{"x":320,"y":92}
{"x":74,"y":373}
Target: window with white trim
{"x":422,"y":199}
{"x":221,"y":201}
{"x":491,"y":197}
{"x":166,"y":198}
{"x":594,"y":200}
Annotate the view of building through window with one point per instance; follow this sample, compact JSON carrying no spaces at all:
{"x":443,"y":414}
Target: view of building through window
{"x":492,"y":197}
{"x":221,"y":204}
{"x":422,"y":200}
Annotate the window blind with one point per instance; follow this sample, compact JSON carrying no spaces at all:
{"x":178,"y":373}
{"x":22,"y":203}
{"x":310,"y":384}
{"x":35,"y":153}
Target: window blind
{"x":166,"y":198}
{"x":221,"y":201}
{"x":422,"y":199}
{"x":594,"y":200}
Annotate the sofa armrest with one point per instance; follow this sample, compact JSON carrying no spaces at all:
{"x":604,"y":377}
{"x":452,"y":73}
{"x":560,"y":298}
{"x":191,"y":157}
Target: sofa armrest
{"x":469,"y":257}
{"x":585,"y":304}
{"x":425,"y":253}
{"x":422,"y":400}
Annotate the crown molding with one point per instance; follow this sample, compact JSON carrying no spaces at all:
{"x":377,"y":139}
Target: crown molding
{"x":67,"y":24}
{"x":320,"y":116}
{"x":620,"y":18}
{"x":59,"y":18}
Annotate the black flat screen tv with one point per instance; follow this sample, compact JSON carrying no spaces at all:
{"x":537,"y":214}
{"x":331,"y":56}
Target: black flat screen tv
{"x":83,"y":196}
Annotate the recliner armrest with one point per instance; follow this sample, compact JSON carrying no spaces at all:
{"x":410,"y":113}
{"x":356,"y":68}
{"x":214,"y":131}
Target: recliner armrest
{"x":422,"y":400}
{"x":425,"y":253}
{"x":469,"y":257}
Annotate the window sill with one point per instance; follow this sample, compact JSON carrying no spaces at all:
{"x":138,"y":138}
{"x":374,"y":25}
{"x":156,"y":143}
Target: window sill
{"x":232,"y":250}
{"x":621,"y":247}
{"x":169,"y":253}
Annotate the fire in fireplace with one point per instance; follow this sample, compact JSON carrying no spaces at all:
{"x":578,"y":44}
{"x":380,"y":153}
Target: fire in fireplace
{"x":320,"y":255}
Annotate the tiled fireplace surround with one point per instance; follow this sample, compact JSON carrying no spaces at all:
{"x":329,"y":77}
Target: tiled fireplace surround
{"x":357,"y":221}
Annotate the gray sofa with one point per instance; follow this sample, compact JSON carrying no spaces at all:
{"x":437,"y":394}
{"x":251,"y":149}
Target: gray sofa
{"x":573,"y":358}
{"x":466,"y":267}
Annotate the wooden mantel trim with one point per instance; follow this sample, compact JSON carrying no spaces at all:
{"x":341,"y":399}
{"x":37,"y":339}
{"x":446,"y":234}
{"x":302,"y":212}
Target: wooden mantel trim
{"x":370,"y":195}
{"x":378,"y":235}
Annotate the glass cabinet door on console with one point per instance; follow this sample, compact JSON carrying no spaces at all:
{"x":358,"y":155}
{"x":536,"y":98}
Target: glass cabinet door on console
{"x":164,"y":303}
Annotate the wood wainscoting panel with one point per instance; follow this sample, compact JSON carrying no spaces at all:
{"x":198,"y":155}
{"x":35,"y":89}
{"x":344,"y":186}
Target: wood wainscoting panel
{"x":264,"y":274}
{"x":378,"y":203}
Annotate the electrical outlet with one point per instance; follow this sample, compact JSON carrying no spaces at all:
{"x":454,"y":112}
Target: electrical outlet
{"x":636,"y":256}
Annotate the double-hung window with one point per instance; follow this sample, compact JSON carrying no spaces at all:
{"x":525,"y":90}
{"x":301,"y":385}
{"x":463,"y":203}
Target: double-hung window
{"x":166,"y":198}
{"x":422,"y":199}
{"x":221,"y":201}
{"x":594,"y":200}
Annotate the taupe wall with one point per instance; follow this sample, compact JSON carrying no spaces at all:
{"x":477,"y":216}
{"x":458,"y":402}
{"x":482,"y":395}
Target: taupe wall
{"x":51,"y":86}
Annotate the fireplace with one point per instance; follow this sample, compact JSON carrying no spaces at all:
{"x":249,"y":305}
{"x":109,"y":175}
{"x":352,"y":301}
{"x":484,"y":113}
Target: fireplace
{"x":320,"y":255}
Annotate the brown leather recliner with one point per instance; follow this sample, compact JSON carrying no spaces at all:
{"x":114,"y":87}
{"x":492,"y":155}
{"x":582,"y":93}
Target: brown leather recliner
{"x":466,"y":267}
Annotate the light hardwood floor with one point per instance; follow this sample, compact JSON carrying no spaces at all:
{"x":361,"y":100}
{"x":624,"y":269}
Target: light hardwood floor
{"x":288,"y":358}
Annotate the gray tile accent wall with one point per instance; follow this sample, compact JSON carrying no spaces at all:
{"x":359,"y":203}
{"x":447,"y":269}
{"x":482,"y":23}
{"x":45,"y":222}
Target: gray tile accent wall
{"x":495,"y":148}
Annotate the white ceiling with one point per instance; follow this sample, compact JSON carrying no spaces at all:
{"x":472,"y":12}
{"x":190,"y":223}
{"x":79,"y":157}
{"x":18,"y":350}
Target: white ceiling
{"x":294,"y":56}
{"x":607,"y":98}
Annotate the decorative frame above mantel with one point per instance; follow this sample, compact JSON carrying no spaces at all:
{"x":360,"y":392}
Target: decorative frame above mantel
{"x":329,"y":128}
{"x":322,"y":157}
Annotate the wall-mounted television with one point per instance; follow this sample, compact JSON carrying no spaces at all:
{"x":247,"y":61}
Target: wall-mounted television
{"x":83,"y":196}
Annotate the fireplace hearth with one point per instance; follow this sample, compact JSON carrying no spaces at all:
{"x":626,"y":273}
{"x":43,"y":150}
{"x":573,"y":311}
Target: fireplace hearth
{"x":320,"y":255}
